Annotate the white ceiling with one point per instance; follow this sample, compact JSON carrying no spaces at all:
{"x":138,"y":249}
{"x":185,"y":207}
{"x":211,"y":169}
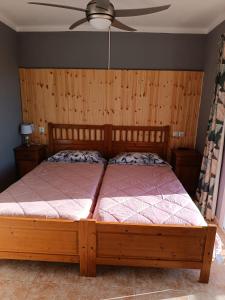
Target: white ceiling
{"x":184,"y":16}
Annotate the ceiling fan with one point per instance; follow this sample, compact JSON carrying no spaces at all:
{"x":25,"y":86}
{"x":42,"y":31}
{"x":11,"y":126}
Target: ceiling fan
{"x":101,"y":14}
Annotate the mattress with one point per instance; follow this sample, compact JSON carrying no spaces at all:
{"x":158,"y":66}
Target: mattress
{"x":145,"y":195}
{"x":54,"y":190}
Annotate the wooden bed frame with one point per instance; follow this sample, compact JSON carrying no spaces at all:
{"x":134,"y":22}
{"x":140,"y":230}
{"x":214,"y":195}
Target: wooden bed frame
{"x":92,"y":243}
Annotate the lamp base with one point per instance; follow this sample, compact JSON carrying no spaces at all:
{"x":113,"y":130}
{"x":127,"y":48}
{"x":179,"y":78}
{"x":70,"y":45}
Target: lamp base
{"x":26,"y":141}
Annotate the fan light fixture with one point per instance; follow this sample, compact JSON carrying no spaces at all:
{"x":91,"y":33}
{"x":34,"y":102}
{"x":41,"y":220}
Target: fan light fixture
{"x":100,"y":23}
{"x":102,"y":15}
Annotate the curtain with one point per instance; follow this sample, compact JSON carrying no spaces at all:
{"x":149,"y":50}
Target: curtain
{"x":207,"y":192}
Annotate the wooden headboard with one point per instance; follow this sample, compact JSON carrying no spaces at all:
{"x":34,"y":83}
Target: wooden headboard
{"x":139,"y":139}
{"x":108,"y":139}
{"x":76,"y":137}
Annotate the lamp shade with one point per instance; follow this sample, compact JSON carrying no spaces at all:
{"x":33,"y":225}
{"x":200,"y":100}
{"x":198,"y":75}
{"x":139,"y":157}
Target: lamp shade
{"x":26,"y":128}
{"x":100,"y":23}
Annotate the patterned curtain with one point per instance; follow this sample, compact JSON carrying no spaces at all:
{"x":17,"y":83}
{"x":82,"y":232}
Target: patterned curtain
{"x":207,"y":191}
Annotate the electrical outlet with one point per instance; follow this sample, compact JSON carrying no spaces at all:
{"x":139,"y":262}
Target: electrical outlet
{"x":41,"y":130}
{"x":181,"y":134}
{"x":176,"y":134}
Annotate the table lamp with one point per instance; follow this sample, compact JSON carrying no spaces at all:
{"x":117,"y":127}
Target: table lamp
{"x":26,"y":129}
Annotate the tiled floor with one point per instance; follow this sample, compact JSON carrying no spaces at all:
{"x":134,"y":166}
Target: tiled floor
{"x":30,"y":280}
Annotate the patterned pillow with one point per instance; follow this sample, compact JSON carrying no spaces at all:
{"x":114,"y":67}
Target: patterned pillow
{"x":137,"y":158}
{"x":74,"y":156}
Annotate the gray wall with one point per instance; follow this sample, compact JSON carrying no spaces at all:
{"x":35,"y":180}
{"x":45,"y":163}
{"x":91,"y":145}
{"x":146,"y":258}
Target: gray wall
{"x":210,"y":67}
{"x":80,"y":50}
{"x":9,"y":104}
{"x":129,"y":50}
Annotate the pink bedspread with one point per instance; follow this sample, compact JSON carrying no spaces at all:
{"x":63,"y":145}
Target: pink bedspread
{"x":143,"y":195}
{"x":54,"y":190}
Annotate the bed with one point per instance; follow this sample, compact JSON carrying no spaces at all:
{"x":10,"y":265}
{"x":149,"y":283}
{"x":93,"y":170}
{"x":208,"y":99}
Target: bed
{"x":141,"y":194}
{"x":54,"y":191}
{"x":91,"y":242}
{"x":39,"y":214}
{"x":143,"y":216}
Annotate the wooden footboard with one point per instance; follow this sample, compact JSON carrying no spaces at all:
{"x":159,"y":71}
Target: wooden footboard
{"x":95,"y":243}
{"x":161,"y":246}
{"x":38,"y":239}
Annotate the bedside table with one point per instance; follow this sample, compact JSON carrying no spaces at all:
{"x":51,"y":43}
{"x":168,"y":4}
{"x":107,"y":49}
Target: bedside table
{"x":27,"y":158}
{"x":186,"y":164}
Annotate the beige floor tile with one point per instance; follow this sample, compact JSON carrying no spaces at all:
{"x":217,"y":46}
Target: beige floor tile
{"x":210,"y":295}
{"x":22,"y":270}
{"x":13,"y":290}
{"x":46,"y":291}
{"x":116,"y":276}
{"x":167,"y":294}
{"x":58,"y":273}
{"x":164,"y":279}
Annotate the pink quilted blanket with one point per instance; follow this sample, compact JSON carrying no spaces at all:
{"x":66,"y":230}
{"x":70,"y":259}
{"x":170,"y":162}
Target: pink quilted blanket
{"x":143,"y":195}
{"x":54,"y":190}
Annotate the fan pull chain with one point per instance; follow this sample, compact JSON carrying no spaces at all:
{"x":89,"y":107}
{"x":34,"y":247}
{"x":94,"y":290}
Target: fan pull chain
{"x":109,"y":49}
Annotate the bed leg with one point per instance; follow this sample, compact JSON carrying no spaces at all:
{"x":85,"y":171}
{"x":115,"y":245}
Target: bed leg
{"x":87,"y":247}
{"x":204,"y":275}
{"x":208,"y":253}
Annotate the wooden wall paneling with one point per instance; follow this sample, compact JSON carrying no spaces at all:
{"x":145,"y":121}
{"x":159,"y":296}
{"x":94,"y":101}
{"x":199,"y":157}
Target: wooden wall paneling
{"x":140,"y":82}
{"x":79,"y":116}
{"x":42,"y":103}
{"x":176,"y":97}
{"x":117,"y":97}
{"x":164,"y":98}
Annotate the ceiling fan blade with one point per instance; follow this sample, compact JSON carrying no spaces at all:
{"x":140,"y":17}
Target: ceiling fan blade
{"x":57,"y":5}
{"x":77,"y":23}
{"x":140,"y":11}
{"x":104,"y":4}
{"x":122,"y":26}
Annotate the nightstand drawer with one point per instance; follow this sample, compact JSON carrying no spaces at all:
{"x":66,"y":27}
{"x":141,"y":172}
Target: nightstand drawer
{"x":27,"y":158}
{"x":186,"y":165}
{"x":25,"y":166}
{"x":188,"y":160}
{"x":26,"y":155}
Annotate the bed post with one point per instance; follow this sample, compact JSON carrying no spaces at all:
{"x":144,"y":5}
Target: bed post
{"x":208,"y":253}
{"x":108,"y":139}
{"x":87,"y":247}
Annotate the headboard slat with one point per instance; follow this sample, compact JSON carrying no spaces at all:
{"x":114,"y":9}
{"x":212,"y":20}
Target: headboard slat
{"x":156,"y":141}
{"x":79,"y":139}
